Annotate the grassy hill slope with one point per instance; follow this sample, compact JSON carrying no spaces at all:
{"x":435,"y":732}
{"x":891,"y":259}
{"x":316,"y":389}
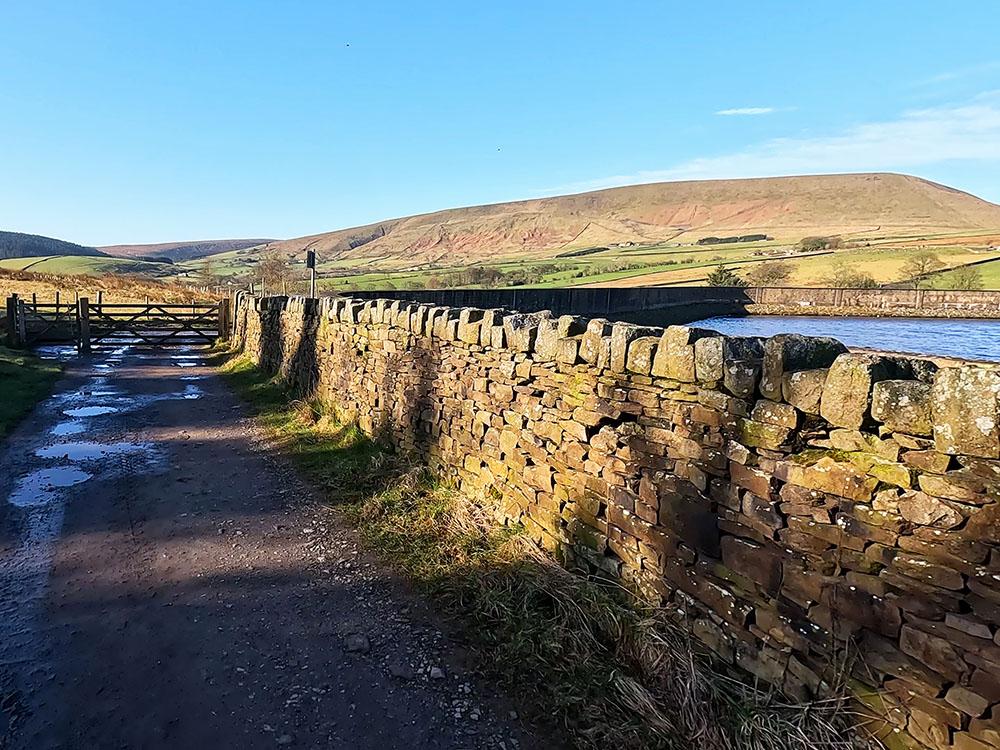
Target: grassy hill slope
{"x":179,"y":251}
{"x":85,"y":264}
{"x":20,"y":245}
{"x":787,"y":208}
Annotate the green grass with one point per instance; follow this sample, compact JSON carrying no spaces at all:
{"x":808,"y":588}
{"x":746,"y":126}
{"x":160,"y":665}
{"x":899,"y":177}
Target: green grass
{"x":592,"y":663}
{"x":24,"y":381}
{"x":990,"y":273}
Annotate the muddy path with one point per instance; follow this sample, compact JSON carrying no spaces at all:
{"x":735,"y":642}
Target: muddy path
{"x":167,"y":582}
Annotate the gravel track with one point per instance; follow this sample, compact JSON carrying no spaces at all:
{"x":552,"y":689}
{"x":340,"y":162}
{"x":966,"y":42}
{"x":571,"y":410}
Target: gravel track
{"x":185,"y":589}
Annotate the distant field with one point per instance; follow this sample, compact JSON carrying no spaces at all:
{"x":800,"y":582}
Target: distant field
{"x":990,"y":273}
{"x":641,"y":265}
{"x":661,"y":266}
{"x":884,"y":264}
{"x":224,"y":264}
{"x":84,"y":264}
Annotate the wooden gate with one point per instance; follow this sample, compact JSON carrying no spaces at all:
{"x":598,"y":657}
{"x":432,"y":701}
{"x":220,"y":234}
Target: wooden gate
{"x":155,"y":324}
{"x":41,"y":322}
{"x":114,"y":324}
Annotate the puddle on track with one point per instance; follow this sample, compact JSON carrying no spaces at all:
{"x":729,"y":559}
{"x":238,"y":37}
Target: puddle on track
{"x":38,"y":488}
{"x":122,"y":402}
{"x":67,"y":428}
{"x":90,"y":451}
{"x":58,"y":473}
{"x":58,"y":352}
{"x":90,"y":411}
{"x":192,"y":392}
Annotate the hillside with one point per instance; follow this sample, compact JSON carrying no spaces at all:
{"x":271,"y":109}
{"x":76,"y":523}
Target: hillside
{"x":19,"y":245}
{"x":787,"y":208}
{"x":179,"y":251}
{"x":97,"y":265}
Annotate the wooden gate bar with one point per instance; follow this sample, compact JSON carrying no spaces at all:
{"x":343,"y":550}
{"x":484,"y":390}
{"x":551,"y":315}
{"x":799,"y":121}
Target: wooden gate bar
{"x":172,"y":320}
{"x":84,"y":324}
{"x":39,"y":313}
{"x":225,"y":319}
{"x":12,"y":321}
{"x":22,"y":332}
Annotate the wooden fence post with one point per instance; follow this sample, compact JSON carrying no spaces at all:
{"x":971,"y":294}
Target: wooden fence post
{"x":12,"y":320}
{"x":225,"y":319}
{"x":84,"y":311}
{"x":22,"y":328}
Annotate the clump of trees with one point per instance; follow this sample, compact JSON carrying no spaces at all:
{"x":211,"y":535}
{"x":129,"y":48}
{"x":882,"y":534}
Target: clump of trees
{"x":493,"y":277}
{"x":771,"y":273}
{"x":723,"y":276}
{"x":966,"y":278}
{"x":484,"y":276}
{"x":815,"y":244}
{"x":729,"y":240}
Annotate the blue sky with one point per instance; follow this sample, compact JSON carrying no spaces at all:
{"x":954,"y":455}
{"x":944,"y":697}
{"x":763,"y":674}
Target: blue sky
{"x":159,"y":121}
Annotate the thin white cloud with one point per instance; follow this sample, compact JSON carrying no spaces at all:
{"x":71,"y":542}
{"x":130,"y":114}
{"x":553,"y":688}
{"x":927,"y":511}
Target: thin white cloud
{"x":746,"y":111}
{"x":952,"y":75}
{"x":966,"y":131}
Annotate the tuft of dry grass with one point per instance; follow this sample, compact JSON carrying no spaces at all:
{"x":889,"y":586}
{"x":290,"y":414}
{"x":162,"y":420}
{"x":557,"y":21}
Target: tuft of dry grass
{"x":610,"y":669}
{"x":617,"y":671}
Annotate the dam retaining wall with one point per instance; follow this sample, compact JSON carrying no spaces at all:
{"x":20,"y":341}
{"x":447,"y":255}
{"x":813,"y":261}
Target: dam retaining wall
{"x":686,"y":304}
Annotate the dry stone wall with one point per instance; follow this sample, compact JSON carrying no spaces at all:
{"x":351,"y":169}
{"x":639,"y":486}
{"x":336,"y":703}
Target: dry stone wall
{"x":800,"y":508}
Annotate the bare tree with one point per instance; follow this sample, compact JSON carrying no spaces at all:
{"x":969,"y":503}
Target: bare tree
{"x":846,"y":276}
{"x":274,"y":271}
{"x":206,"y":272}
{"x":920,"y":266}
{"x":966,"y":277}
{"x":771,"y":273}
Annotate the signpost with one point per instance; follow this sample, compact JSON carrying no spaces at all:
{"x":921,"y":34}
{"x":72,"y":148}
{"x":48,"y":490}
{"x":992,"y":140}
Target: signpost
{"x":311,"y":265}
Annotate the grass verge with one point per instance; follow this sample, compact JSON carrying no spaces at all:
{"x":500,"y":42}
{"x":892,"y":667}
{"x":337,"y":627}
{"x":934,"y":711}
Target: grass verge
{"x":611,"y":671}
{"x":24,"y":381}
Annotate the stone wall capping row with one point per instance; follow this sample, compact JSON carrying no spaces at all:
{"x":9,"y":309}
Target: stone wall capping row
{"x":816,"y":375}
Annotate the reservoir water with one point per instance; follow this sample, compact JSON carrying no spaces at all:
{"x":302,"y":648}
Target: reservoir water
{"x":963,"y":339}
